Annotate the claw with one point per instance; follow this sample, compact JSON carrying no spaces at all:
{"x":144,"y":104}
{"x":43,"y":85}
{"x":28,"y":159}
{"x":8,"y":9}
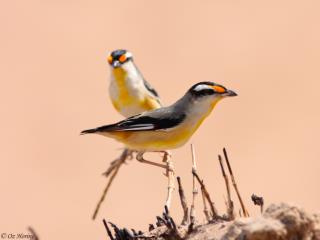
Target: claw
{"x":166,"y":156}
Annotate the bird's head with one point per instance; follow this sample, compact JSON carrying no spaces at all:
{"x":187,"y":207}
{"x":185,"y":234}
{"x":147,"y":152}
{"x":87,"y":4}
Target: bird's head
{"x":119,"y":57}
{"x":209,"y":92}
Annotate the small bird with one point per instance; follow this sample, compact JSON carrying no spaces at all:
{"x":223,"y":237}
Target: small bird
{"x":130,"y":93}
{"x":166,"y":127}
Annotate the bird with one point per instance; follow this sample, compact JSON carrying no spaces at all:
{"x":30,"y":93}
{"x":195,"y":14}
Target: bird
{"x":168,"y":127}
{"x":130,"y":93}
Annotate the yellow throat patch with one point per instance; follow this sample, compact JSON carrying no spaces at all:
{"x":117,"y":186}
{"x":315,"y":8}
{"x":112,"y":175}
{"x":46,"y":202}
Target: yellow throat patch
{"x":124,"y":98}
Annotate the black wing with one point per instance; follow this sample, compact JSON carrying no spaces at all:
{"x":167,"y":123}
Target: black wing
{"x":150,"y":88}
{"x":140,"y":123}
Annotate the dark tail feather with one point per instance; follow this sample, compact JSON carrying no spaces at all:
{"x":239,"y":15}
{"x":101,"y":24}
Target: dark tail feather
{"x":105,"y":128}
{"x":88,"y":131}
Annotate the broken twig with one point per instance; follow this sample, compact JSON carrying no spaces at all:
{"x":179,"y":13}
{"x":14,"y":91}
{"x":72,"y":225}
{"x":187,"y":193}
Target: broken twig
{"x":258,"y":201}
{"x":107,"y":229}
{"x":105,"y":192}
{"x":207,"y":196}
{"x":244,"y":210}
{"x":183,"y":203}
{"x":113,"y":169}
{"x":125,"y":155}
{"x":230,"y":207}
{"x":205,"y":209}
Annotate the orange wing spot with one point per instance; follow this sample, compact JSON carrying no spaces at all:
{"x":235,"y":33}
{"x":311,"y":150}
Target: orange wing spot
{"x":122,"y":58}
{"x":219,"y":89}
{"x":110,"y":59}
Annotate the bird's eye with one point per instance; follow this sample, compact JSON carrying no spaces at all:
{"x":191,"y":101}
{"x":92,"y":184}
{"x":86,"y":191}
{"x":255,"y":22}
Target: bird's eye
{"x":110,"y":59}
{"x":219,"y":89}
{"x":122,"y":58}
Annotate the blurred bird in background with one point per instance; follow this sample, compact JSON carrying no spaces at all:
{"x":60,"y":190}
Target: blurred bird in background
{"x":130,"y":94}
{"x":167,"y":127}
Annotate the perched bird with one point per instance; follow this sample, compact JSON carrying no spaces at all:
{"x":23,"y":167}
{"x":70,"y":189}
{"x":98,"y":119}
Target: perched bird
{"x":130,"y":93}
{"x":167,"y":127}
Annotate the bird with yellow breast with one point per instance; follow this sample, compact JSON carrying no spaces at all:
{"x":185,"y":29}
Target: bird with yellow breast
{"x":130,"y":93}
{"x":167,"y":127}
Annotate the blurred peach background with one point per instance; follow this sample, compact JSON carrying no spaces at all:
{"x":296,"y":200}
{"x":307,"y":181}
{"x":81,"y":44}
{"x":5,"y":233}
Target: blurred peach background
{"x":54,"y":79}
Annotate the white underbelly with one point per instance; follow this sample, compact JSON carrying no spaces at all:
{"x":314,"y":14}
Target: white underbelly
{"x":129,"y":105}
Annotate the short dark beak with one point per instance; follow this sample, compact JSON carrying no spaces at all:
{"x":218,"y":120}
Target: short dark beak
{"x":230,"y":93}
{"x":116,"y":64}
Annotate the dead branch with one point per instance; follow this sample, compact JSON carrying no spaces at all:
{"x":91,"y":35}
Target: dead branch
{"x":230,"y":207}
{"x":244,"y":210}
{"x":214,"y":212}
{"x":105,"y":192}
{"x":113,"y":169}
{"x":125,"y":155}
{"x":194,"y":188}
{"x":169,"y":220}
{"x":122,"y":234}
{"x":184,"y":204}
{"x":205,"y":209}
{"x":170,"y":173}
{"x":108,"y":229}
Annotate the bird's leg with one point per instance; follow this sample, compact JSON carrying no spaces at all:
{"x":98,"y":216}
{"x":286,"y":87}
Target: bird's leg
{"x":126,"y":154}
{"x":169,"y":172}
{"x":140,"y":158}
{"x":166,"y":156}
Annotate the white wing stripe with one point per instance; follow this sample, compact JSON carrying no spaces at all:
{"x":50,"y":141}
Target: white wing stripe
{"x":138,"y":127}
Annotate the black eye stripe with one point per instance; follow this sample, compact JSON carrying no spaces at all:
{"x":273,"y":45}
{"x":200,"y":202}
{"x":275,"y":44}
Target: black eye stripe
{"x":197,"y":90}
{"x":203,"y":92}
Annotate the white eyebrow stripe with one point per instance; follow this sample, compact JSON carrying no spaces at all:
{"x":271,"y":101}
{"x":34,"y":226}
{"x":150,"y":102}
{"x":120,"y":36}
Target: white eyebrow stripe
{"x":128,"y":54}
{"x":201,"y":87}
